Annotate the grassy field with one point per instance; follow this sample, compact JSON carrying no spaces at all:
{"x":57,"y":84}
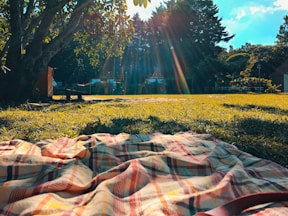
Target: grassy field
{"x":257,"y":124}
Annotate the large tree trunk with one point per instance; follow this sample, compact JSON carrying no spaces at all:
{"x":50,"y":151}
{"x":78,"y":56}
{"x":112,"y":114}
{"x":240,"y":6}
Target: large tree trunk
{"x":18,"y":84}
{"x":11,"y":82}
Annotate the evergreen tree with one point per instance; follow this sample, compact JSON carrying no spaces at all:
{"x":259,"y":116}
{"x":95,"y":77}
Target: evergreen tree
{"x":188,"y":32}
{"x":136,"y":61}
{"x":282,"y":36}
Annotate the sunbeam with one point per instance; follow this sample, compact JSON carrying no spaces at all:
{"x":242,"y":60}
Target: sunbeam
{"x":179,"y":71}
{"x":180,"y":78}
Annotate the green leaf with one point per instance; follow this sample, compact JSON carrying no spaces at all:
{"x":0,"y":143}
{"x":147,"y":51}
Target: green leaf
{"x":145,"y":2}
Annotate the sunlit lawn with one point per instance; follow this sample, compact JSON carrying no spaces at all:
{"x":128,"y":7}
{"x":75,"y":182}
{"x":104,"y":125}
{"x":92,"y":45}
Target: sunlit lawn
{"x":255,"y":123}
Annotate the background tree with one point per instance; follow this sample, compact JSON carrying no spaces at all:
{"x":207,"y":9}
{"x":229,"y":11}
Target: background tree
{"x":236,"y":63}
{"x":187,"y":33}
{"x":109,"y":34}
{"x":93,"y":54}
{"x":270,"y":57}
{"x":282,"y":36}
{"x":4,"y":32}
{"x":70,"y":68}
{"x":243,"y":65}
{"x":136,"y":61}
{"x":39,"y":29}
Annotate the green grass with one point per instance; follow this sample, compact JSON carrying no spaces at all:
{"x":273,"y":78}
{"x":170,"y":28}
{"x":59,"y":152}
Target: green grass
{"x":257,"y":124}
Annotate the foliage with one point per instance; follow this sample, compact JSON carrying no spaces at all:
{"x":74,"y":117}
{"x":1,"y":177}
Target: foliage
{"x":141,"y":2}
{"x":69,"y":68}
{"x":253,"y":83}
{"x":137,"y":61}
{"x":38,"y":30}
{"x":4,"y":36}
{"x":270,"y":58}
{"x":87,"y":55}
{"x":236,"y":63}
{"x":116,"y":31}
{"x":257,"y":63}
{"x":236,"y":56}
{"x":179,"y":39}
{"x":282,"y":36}
{"x":210,"y":71}
{"x":254,"y":123}
{"x":246,"y":81}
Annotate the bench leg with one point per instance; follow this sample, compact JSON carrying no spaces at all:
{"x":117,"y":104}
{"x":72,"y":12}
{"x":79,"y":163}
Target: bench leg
{"x":79,"y":97}
{"x":68,"y":97}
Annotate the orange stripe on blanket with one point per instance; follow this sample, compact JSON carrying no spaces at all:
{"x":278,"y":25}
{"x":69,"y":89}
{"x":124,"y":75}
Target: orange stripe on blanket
{"x":41,"y":204}
{"x":160,"y":195}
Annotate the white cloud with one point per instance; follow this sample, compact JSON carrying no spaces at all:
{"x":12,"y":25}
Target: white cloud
{"x":241,"y":14}
{"x":234,"y":25}
{"x":281,"y":4}
{"x":261,"y":10}
{"x":252,"y":21}
{"x":254,"y":10}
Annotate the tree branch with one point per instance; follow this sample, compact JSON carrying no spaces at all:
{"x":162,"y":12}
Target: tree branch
{"x":14,"y":51}
{"x":67,"y":33}
{"x":52,"y":7}
{"x":29,"y":10}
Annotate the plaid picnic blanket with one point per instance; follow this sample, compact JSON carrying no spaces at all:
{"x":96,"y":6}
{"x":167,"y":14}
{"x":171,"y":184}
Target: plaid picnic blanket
{"x":156,"y":174}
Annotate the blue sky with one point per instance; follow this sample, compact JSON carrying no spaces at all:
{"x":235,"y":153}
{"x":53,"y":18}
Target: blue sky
{"x":253,"y":21}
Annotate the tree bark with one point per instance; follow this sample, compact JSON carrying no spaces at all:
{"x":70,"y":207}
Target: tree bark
{"x":18,"y":84}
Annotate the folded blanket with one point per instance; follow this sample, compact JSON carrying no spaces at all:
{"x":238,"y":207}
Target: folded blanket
{"x":157,"y":174}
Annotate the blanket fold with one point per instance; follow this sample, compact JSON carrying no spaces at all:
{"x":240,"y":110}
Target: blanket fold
{"x":157,"y":174}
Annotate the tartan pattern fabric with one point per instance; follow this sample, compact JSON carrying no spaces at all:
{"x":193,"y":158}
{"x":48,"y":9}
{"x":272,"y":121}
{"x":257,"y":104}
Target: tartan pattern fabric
{"x":156,"y":174}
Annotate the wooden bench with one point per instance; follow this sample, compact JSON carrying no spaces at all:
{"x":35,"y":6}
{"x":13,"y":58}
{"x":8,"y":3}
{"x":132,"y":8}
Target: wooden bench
{"x":69,"y":92}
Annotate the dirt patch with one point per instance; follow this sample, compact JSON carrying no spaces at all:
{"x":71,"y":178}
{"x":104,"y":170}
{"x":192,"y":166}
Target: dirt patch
{"x":131,"y":100}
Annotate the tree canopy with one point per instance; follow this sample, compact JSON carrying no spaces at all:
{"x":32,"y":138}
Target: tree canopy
{"x":85,"y":39}
{"x":36,"y":30}
{"x":178,"y":38}
{"x":282,"y":36}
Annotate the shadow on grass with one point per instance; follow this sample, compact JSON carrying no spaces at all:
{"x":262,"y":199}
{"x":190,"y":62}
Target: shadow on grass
{"x":261,"y":138}
{"x":268,"y":109}
{"x":266,"y":128}
{"x":5,"y":123}
{"x":264,"y":139}
{"x":61,"y":104}
{"x":134,"y":126}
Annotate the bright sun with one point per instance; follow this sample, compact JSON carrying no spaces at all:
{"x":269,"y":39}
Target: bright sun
{"x":144,"y":13}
